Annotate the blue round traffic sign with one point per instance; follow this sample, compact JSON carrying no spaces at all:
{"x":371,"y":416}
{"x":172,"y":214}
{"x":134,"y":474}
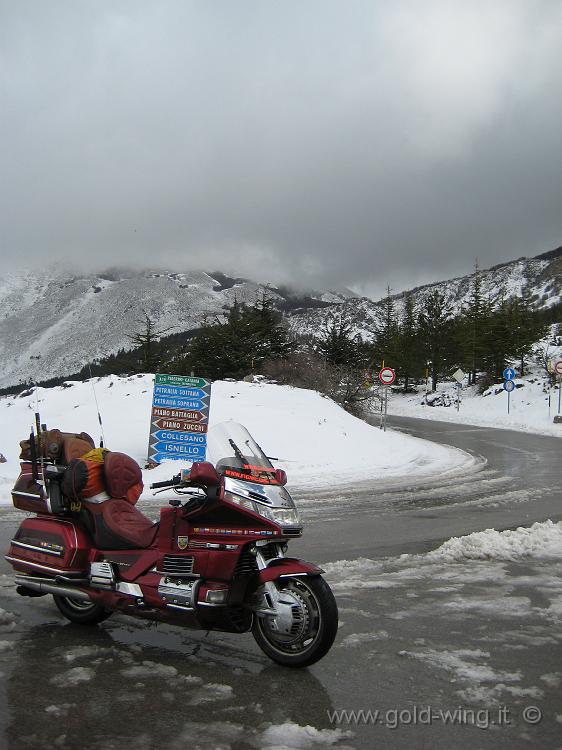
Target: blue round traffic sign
{"x":509,"y":385}
{"x":509,"y":373}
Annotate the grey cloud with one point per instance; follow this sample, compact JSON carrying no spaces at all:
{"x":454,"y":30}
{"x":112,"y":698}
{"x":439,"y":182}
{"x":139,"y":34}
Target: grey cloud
{"x":332,"y":142}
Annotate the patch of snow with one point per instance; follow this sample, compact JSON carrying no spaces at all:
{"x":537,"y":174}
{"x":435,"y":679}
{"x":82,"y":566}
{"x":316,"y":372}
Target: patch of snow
{"x":59,"y":710}
{"x":461,"y":663}
{"x":7,"y":619}
{"x":360,"y":639}
{"x":149,"y":669}
{"x":552,"y":679}
{"x":72,"y":677}
{"x":211,"y":692}
{"x":292,"y":736}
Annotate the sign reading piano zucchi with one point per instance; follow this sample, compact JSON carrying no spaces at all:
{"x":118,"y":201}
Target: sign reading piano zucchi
{"x":179,"y":420}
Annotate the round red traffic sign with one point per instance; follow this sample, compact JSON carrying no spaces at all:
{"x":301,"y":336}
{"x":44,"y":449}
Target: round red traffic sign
{"x":387,"y":376}
{"x":558,"y":367}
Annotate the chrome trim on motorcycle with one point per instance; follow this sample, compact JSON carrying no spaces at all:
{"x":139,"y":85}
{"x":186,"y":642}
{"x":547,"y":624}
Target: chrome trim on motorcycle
{"x":101,"y":575}
{"x":34,"y":547}
{"x":19,"y":561}
{"x":131,"y":589}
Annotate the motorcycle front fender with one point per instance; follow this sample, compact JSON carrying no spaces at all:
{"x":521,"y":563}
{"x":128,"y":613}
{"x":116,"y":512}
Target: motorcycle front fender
{"x":284,"y":567}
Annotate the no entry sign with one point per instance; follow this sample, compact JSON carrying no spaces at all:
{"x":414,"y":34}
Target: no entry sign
{"x":558,"y":367}
{"x":387,"y":376}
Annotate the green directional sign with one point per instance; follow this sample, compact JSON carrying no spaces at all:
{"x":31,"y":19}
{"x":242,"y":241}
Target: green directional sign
{"x":181,"y":380}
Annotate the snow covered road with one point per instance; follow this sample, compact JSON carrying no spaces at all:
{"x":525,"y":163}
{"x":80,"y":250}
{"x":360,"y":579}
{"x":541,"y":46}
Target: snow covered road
{"x":426,"y":623}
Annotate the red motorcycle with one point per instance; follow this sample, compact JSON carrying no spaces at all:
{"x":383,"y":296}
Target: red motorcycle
{"x":215,"y":561}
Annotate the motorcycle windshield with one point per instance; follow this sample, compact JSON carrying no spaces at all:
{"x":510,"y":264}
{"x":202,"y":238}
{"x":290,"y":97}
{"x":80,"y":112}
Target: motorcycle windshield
{"x":236,"y":454}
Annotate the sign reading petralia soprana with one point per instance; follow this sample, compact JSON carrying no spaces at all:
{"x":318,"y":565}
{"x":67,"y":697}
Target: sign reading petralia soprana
{"x":179,"y":420}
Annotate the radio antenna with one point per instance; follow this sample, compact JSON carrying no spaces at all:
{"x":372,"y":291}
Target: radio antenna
{"x":102,"y":438}
{"x":39,"y":441}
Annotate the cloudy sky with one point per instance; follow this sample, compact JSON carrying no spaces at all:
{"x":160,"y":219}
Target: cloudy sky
{"x":335,"y":142}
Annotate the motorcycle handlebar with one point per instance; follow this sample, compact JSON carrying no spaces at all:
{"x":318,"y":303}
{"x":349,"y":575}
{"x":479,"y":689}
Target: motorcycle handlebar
{"x":167,"y":483}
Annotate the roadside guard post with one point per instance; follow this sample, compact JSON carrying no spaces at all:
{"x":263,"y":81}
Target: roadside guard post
{"x":387,"y":376}
{"x":179,"y":419}
{"x":509,"y":385}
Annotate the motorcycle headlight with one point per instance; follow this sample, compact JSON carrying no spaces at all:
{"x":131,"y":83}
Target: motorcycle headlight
{"x":280,"y":516}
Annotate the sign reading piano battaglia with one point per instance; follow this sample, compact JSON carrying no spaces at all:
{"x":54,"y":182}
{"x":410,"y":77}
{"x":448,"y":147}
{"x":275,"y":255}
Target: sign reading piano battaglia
{"x":179,"y":420}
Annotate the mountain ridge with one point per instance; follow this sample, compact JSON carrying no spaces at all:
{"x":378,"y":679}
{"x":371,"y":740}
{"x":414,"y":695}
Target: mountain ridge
{"x":53,"y":322}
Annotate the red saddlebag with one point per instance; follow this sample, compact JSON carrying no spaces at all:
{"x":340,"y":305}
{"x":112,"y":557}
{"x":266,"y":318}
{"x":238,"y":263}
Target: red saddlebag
{"x":28,"y":494}
{"x":49,"y":546}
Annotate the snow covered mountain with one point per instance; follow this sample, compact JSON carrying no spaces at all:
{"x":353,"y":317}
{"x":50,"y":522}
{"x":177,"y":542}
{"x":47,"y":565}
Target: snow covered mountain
{"x":53,"y":322}
{"x":542,"y":274}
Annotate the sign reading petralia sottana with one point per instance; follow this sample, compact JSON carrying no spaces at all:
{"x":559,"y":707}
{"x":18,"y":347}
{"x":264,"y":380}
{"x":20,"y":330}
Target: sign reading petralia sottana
{"x":179,"y":419}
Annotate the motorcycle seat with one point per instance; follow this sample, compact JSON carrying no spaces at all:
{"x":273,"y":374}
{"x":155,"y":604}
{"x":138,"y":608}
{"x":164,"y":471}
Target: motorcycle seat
{"x":119,"y":525}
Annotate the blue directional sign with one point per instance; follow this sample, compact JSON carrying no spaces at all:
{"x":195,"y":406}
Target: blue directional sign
{"x":175,"y":436}
{"x":509,"y":386}
{"x":180,"y":403}
{"x":179,"y":420}
{"x":179,"y":449}
{"x":176,"y":392}
{"x":509,"y":374}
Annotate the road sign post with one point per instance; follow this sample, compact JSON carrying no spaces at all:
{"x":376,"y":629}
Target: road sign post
{"x":508,"y":386}
{"x":387,"y":376}
{"x":179,"y":418}
{"x":459,"y":377}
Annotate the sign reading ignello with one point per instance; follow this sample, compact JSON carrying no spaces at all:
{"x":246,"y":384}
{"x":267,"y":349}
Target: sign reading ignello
{"x":179,"y":419}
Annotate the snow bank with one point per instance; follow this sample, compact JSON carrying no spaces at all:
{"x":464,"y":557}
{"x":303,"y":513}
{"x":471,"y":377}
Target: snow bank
{"x":540,"y":540}
{"x":528,"y":408}
{"x":314,"y":439}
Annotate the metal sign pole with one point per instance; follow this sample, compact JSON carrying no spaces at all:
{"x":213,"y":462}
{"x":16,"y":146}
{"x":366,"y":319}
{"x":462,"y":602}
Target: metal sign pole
{"x":385,"y":405}
{"x":559,"y":389}
{"x":508,"y":397}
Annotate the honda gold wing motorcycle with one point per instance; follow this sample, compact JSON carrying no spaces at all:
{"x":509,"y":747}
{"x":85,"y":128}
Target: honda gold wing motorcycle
{"x":216,"y":559}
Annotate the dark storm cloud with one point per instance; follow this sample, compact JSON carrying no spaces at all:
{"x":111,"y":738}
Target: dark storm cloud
{"x":335,"y":142}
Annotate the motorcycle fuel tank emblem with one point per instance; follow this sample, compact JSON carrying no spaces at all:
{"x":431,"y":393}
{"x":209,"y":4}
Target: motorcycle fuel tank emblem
{"x":182,"y":542}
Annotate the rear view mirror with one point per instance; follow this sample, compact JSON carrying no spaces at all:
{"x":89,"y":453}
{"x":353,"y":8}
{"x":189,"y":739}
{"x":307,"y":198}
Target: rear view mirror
{"x":204,"y":473}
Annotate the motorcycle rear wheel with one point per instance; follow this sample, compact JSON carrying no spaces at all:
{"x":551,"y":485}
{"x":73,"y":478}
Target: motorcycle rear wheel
{"x":79,"y":611}
{"x":314,"y":627}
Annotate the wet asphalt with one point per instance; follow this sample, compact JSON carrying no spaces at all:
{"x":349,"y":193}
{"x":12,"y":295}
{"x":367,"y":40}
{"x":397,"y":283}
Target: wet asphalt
{"x":414,"y":635}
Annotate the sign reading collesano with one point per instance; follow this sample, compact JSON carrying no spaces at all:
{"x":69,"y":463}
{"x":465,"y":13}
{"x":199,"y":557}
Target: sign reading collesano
{"x":179,"y":420}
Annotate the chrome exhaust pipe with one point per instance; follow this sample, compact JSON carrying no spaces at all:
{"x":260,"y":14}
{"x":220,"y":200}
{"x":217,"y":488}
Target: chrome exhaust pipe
{"x":46,"y":587}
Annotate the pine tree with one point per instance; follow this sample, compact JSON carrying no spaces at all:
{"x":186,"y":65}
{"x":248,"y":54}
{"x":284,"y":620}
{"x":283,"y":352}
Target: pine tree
{"x":386,"y":344}
{"x":147,"y":340}
{"x":436,"y":333}
{"x":239,"y":343}
{"x":408,"y":351}
{"x":338,"y":345}
{"x":472,"y":328}
{"x":527,"y":327}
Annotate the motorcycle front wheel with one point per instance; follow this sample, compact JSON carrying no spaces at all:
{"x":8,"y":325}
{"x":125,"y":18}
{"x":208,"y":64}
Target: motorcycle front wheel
{"x":79,"y":611}
{"x":307,"y":623}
